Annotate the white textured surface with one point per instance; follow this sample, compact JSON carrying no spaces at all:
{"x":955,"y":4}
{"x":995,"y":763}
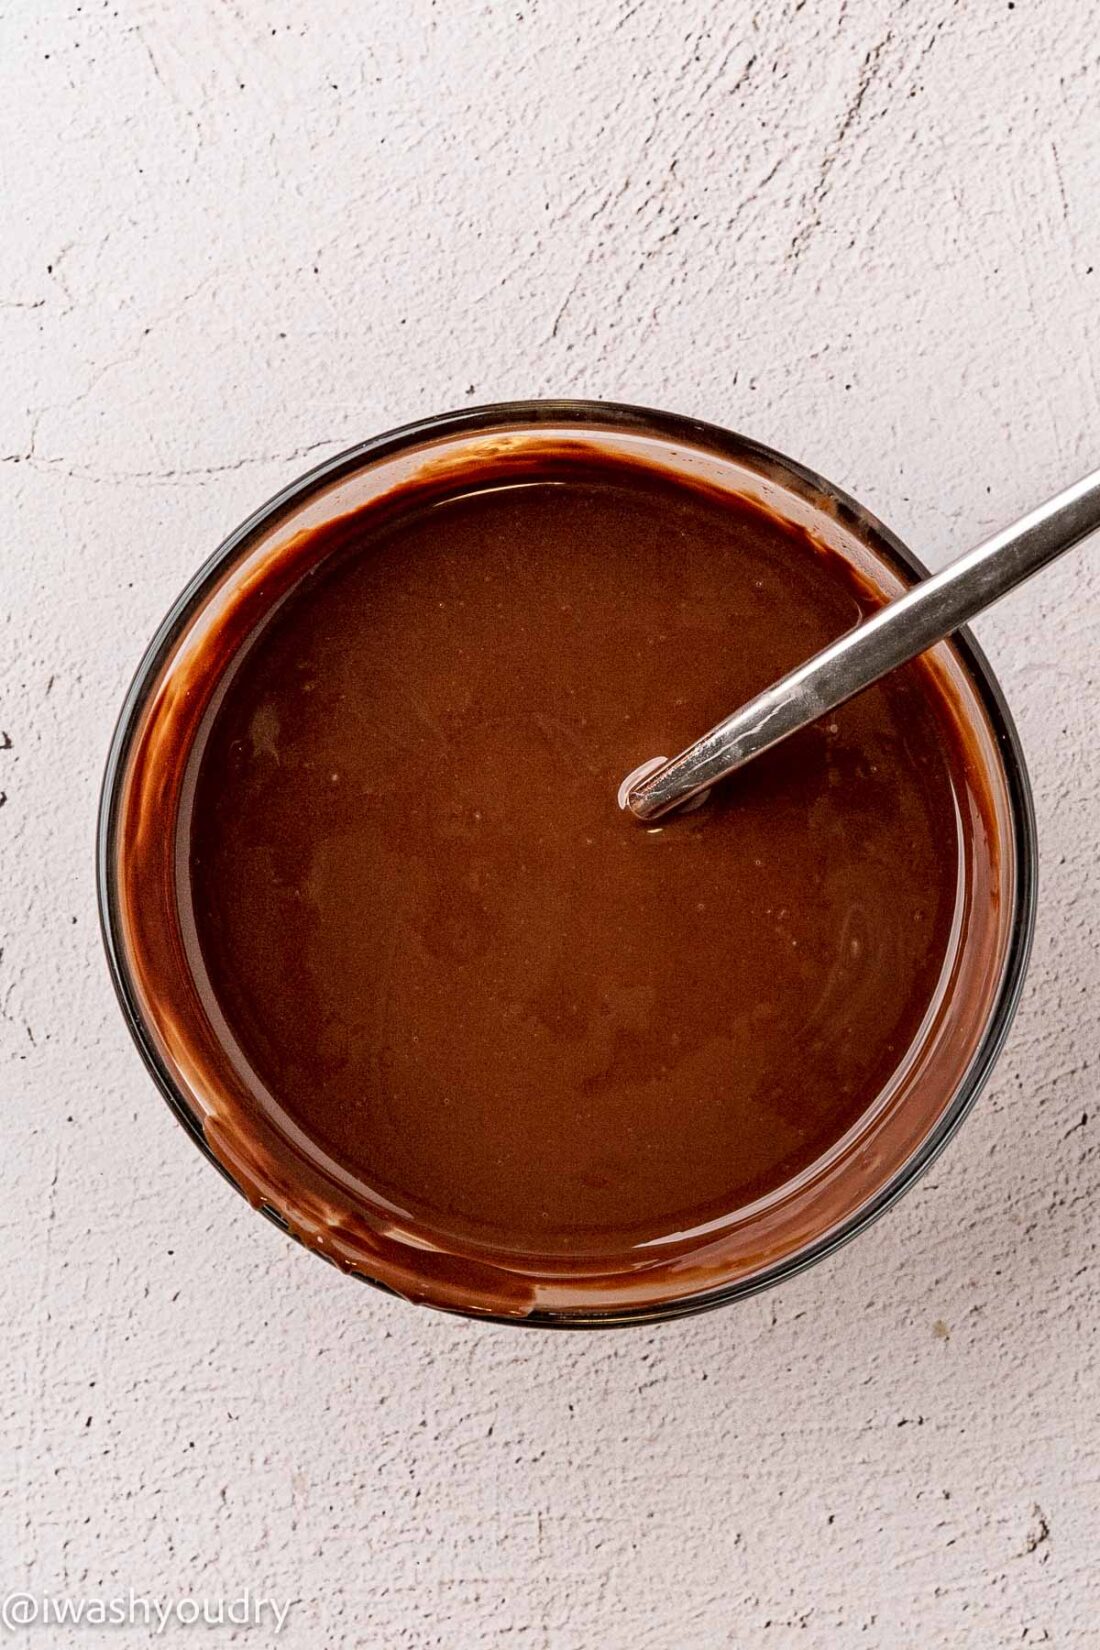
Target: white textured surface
{"x":239,"y":235}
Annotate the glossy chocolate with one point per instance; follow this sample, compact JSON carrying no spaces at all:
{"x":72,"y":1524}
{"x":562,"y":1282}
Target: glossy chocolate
{"x":507,"y":1009}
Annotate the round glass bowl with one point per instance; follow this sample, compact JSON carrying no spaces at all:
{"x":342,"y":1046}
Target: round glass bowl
{"x":142,"y":866}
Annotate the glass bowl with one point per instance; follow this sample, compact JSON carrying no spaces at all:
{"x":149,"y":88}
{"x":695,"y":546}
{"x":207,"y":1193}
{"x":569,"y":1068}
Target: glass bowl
{"x":142,"y":833}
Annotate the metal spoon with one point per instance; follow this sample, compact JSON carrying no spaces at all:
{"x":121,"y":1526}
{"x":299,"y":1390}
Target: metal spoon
{"x":897,"y":632}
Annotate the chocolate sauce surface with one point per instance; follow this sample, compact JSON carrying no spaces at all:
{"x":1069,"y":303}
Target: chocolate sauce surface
{"x":501,"y":1004}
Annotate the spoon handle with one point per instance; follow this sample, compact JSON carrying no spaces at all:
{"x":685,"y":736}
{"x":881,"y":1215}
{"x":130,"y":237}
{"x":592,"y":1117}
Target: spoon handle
{"x":899,"y":631}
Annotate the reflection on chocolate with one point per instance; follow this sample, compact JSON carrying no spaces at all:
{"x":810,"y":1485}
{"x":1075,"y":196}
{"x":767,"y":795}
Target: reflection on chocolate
{"x":470,"y":982}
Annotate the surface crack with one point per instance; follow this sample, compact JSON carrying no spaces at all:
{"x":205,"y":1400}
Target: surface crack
{"x":869,"y":71}
{"x":76,"y":472}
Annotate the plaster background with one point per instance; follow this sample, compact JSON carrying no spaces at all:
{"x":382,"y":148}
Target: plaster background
{"x":239,"y":236}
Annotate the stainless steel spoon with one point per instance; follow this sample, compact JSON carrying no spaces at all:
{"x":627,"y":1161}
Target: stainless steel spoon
{"x":897,"y":632}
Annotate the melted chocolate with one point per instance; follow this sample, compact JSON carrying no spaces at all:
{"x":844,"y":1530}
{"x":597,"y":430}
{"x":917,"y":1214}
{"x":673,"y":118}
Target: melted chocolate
{"x":501,"y":1005}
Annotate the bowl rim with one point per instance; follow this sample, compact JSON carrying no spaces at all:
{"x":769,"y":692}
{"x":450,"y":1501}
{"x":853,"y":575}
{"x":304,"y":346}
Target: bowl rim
{"x":726,"y":443}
